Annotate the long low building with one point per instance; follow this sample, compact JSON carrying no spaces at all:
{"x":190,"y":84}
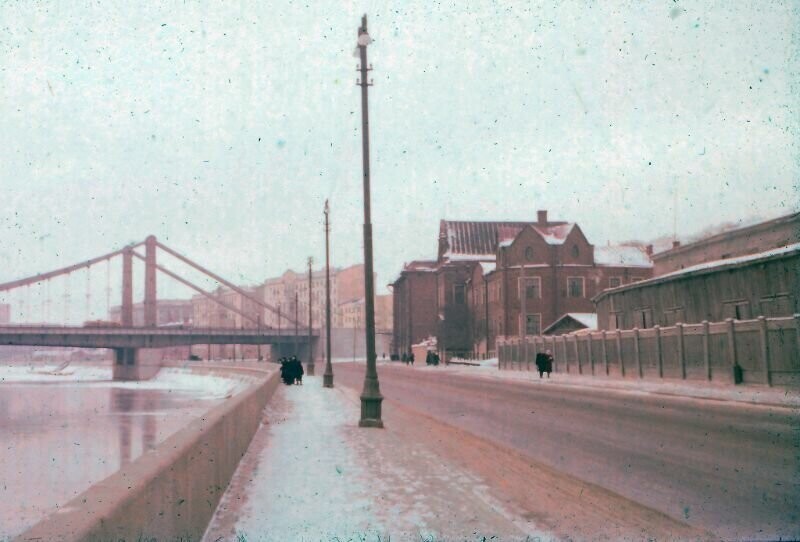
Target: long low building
{"x":743,"y":288}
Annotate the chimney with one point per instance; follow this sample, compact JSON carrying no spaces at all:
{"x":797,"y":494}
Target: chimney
{"x":676,"y":243}
{"x":649,"y":250}
{"x":541,"y":218}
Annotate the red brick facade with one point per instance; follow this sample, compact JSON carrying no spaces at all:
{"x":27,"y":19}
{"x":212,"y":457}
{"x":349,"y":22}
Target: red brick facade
{"x":471,"y":294}
{"x":414,"y":306}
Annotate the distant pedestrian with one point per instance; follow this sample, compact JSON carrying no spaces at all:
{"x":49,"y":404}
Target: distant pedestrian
{"x":549,"y":367}
{"x":297,"y":371}
{"x":405,"y":358}
{"x":541,"y":363}
{"x":411,"y":358}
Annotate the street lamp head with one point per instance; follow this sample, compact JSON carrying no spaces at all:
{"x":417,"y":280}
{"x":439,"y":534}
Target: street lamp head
{"x":327,"y":209}
{"x":363,"y":39}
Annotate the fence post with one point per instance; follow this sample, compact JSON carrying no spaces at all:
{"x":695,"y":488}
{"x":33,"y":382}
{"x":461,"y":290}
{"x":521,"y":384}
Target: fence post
{"x":589,"y":350}
{"x":637,"y":354}
{"x":553,"y":352}
{"x":797,"y":333}
{"x":619,"y":353}
{"x":578,"y":355}
{"x":605,"y":353}
{"x":764,"y":339}
{"x":732,"y":347}
{"x":706,"y":352}
{"x":681,"y":356}
{"x":659,"y":359}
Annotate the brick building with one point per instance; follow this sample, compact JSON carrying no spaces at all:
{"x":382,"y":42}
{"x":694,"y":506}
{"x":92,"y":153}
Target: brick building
{"x":5,"y":314}
{"x":542,"y":272}
{"x":413,"y":305}
{"x":471,"y":294}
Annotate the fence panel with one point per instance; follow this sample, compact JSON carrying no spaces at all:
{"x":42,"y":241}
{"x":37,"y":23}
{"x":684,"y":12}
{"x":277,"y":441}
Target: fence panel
{"x":612,"y":352}
{"x":748,"y":354}
{"x":784,"y":356}
{"x":670,"y":353}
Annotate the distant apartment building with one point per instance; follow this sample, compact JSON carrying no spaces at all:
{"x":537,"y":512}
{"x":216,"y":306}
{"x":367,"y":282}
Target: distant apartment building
{"x":209,"y":313}
{"x":347,"y":306}
{"x":5,"y":314}
{"x":754,"y":239}
{"x":493,"y":279}
{"x":168,"y":311}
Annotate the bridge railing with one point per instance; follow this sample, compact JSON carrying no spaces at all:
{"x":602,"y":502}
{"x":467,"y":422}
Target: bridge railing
{"x":80,"y":330}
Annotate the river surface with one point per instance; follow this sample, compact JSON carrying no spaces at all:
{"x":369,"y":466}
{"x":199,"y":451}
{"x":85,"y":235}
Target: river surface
{"x":60,"y":433}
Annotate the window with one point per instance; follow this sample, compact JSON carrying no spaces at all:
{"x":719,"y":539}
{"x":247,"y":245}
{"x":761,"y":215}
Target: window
{"x":529,"y":253}
{"x":575,"y":286}
{"x":738,"y":310}
{"x":533,"y":324}
{"x":532,"y":286}
{"x":776,"y":305}
{"x":575,"y":251}
{"x":613,"y":282}
{"x":459,"y":294}
{"x":644,"y":318}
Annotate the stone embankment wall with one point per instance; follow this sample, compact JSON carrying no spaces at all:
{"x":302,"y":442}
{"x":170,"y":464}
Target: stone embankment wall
{"x":171,"y":492}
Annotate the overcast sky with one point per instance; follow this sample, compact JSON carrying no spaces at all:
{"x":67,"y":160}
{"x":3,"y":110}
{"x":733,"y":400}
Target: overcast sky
{"x":222,"y":128}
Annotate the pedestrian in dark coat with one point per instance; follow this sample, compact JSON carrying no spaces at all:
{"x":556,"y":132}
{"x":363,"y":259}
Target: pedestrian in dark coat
{"x":549,"y":365}
{"x":541,"y":364}
{"x":411,"y":358}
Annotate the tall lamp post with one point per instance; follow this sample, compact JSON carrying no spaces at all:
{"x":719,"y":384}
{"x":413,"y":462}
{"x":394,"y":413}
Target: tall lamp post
{"x":327,"y":378}
{"x":310,"y":367}
{"x":371,"y":397}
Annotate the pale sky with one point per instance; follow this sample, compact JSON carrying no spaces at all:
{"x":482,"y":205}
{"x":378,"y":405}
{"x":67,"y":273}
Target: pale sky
{"x":221,"y":128}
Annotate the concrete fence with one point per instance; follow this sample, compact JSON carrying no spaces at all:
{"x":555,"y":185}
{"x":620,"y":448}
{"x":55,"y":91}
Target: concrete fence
{"x":766,"y":349}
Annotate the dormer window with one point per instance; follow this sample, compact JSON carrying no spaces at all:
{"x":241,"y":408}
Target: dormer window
{"x":575,"y":251}
{"x":529,"y":253}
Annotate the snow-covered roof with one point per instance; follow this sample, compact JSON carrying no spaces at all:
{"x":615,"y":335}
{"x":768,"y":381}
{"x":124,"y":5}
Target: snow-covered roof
{"x":708,"y":267}
{"x":622,"y":256}
{"x":554,"y":235}
{"x":488,"y":267}
{"x":477,"y":240}
{"x":587,"y":319}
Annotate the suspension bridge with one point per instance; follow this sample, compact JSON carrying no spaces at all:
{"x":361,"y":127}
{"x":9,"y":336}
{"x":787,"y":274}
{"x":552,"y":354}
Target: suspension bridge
{"x":125,"y":339}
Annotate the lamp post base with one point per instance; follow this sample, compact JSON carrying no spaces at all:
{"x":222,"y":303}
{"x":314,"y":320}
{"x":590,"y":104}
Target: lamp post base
{"x":327,"y":380}
{"x":371,"y":412}
{"x":310,"y":369}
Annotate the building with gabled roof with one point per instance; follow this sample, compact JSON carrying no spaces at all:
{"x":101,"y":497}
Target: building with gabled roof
{"x":542,"y":273}
{"x":470,"y":295}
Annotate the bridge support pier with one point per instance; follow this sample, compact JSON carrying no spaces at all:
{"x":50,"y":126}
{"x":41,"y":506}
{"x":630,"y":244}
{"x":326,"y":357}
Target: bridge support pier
{"x":134,"y":364}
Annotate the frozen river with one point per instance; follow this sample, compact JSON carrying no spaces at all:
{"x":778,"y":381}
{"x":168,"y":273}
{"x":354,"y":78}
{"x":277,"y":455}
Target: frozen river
{"x":63,"y":431}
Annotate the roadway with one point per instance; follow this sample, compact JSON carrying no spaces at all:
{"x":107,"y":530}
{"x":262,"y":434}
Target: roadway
{"x":729,"y":468}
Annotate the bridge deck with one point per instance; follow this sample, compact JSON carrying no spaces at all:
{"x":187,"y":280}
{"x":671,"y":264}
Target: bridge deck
{"x":140,"y":337}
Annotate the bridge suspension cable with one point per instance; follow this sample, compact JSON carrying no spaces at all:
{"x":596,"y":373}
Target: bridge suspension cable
{"x":209,"y":295}
{"x":219,"y":279}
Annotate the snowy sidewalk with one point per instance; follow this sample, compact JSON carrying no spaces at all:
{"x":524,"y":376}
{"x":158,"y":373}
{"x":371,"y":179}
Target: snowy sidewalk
{"x":750,"y":394}
{"x":312,"y":474}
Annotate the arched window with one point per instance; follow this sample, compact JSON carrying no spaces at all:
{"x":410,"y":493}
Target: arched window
{"x":575,"y":251}
{"x":529,"y":253}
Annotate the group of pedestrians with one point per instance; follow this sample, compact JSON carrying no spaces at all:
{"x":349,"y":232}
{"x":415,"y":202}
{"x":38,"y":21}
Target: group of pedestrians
{"x":408,"y":359}
{"x":291,"y":371}
{"x":431,"y":358}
